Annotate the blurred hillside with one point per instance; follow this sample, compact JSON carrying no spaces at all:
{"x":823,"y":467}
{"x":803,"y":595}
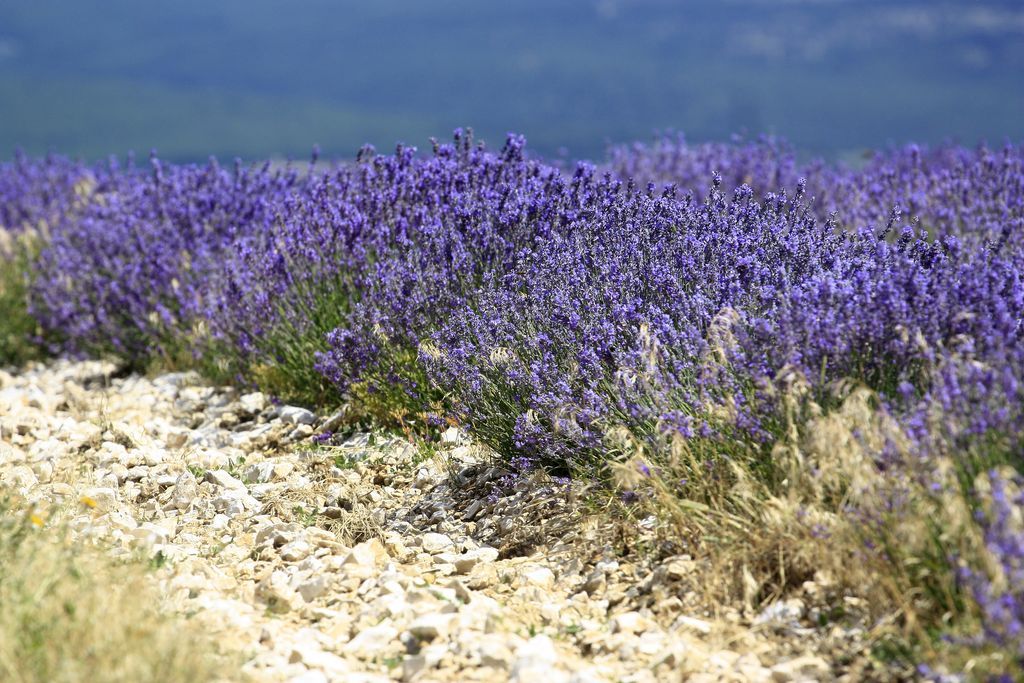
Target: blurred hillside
{"x":261,"y":78}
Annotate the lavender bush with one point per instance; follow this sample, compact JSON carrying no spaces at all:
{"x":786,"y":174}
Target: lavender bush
{"x":693,"y":314}
{"x":946,"y":190}
{"x":368,"y":261}
{"x":133,"y":275}
{"x":37,"y":199}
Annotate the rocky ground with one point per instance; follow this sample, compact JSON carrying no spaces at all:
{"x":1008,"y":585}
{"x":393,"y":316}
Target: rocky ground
{"x":316,"y":557}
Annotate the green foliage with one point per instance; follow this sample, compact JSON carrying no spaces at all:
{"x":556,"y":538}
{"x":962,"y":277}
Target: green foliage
{"x":283,"y":365}
{"x":17,"y":327}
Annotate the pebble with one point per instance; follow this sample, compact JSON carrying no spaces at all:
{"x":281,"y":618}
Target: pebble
{"x":806,"y":668}
{"x":253,"y":403}
{"x":466,"y":562}
{"x":435,"y":543}
{"x":374,"y":639}
{"x":224,"y":480}
{"x":101,"y":498}
{"x":185,"y":490}
{"x":367,"y":554}
{"x":293,"y":415}
{"x":538,"y":577}
{"x":628,"y":622}
{"x":313,"y":587}
{"x":535,"y":660}
{"x":259,"y":472}
{"x":295,"y":551}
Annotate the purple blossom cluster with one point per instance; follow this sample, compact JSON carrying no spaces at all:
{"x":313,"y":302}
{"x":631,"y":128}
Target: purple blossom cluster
{"x":611,"y":320}
{"x":1001,"y":597}
{"x":945,"y":190}
{"x":134,"y":271}
{"x":375,"y":255}
{"x":765,"y":164}
{"x":669,"y":293}
{"x":39,"y":194}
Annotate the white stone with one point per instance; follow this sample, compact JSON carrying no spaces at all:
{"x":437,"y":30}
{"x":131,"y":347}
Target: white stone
{"x":538,"y":577}
{"x":372,"y":640}
{"x":366,"y":554}
{"x":253,"y":403}
{"x":535,"y":661}
{"x":313,"y":587}
{"x":148,"y":535}
{"x":178,"y":380}
{"x":435,"y":543}
{"x":277,"y":594}
{"x":783,"y":611}
{"x":310,"y":676}
{"x":224,"y":480}
{"x":430,"y":626}
{"x":233,"y":502}
{"x":807,"y":668}
{"x":629,"y":622}
{"x":413,"y":666}
{"x":315,"y":658}
{"x":43,"y":470}
{"x":299,"y":433}
{"x":277,"y":534}
{"x":104,"y":497}
{"x":19,"y":477}
{"x":241,"y":439}
{"x":296,"y":551}
{"x":589,"y":675}
{"x":176,"y":438}
{"x":494,"y":653}
{"x":693,"y":623}
{"x":185,"y":490}
{"x":465,"y":562}
{"x":259,"y":472}
{"x":293,"y":415}
{"x":124,"y":522}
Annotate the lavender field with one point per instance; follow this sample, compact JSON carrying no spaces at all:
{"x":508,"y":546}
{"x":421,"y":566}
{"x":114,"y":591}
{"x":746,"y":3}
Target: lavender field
{"x":796,"y":366}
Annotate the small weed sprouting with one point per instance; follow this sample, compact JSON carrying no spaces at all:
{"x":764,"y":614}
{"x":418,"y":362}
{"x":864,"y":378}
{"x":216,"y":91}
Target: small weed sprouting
{"x":305,"y":517}
{"x":344,"y":461}
{"x":158,"y":560}
{"x":234,"y":467}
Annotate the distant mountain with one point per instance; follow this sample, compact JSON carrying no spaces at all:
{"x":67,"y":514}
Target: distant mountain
{"x":266,"y":77}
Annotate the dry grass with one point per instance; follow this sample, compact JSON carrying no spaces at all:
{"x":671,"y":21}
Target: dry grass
{"x":357,"y":521}
{"x":826,"y":513}
{"x":68,"y":613}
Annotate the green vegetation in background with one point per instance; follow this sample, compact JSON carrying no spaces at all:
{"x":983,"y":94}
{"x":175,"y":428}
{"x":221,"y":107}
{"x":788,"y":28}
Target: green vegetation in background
{"x":17,"y":327}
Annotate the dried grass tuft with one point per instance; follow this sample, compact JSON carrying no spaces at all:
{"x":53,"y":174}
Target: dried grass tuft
{"x":68,"y":614}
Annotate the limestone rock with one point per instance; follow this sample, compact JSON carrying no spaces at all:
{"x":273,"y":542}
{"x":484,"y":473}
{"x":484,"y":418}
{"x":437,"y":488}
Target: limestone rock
{"x":293,"y":415}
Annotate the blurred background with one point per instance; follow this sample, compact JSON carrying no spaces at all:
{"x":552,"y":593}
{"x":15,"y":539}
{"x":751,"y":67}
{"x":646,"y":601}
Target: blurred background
{"x":271,"y":78}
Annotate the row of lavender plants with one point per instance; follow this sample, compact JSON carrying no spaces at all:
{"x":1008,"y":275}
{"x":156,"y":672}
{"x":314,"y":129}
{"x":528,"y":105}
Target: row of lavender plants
{"x":685,"y":321}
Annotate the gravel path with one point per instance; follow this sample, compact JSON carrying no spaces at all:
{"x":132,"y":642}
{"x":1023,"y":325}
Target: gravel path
{"x":365,"y":559}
